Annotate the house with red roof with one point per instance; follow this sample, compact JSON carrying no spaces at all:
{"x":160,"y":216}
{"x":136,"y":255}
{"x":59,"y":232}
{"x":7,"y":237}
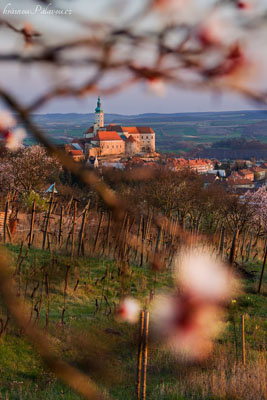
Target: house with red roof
{"x":237,"y":182}
{"x":115,"y":139}
{"x":200,"y":166}
{"x":259,"y":173}
{"x":108,"y":142}
{"x":76,"y":155}
{"x":247,"y":174}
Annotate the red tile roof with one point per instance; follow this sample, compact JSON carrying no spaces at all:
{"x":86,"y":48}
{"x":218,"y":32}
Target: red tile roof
{"x":106,"y":136}
{"x":245,"y":172}
{"x":75,"y":152}
{"x":257,"y":169}
{"x":130,"y":139}
{"x":238,"y":181}
{"x":130,"y":129}
{"x":137,"y":129}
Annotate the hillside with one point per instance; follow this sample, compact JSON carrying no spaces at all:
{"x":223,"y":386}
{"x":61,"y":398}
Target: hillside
{"x":181,"y":133}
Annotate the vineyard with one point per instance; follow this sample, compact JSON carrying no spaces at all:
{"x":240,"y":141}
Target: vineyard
{"x":72,"y":265}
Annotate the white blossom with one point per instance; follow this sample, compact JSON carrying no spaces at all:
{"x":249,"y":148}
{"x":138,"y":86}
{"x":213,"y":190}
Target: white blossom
{"x":7,"y":121}
{"x":188,"y":319}
{"x":14,"y":139}
{"x":128,"y":310}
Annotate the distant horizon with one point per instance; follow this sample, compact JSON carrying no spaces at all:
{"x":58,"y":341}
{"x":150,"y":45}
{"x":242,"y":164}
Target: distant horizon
{"x":155,"y":113}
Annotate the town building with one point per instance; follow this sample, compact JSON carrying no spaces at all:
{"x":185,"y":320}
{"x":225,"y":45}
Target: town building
{"x":200,"y":166}
{"x":235,"y":182}
{"x":112,"y":139}
{"x":247,"y":174}
{"x":259,"y":173}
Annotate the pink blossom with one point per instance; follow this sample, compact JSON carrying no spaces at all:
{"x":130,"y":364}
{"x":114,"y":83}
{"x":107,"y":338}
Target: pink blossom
{"x":202,"y":275}
{"x":244,"y":5}
{"x":14,"y":138}
{"x":186,"y":325}
{"x":157,"y":86}
{"x":218,"y":29}
{"x":128,"y":310}
{"x":258,"y":204}
{"x":169,"y":5}
{"x":188,"y":319}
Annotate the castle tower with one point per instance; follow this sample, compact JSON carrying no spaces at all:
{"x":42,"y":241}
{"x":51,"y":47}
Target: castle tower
{"x":99,"y":114}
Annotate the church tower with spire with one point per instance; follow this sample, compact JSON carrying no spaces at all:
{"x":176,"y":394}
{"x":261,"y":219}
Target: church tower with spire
{"x":99,"y":114}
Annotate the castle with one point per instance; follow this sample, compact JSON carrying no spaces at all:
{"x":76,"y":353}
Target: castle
{"x":111,"y":140}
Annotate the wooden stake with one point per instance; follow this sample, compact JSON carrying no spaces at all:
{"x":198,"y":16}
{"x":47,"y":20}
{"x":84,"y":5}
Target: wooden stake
{"x":158,"y":241}
{"x":48,"y":217}
{"x":262,"y":270}
{"x":98,"y":230}
{"x":243,"y":340}
{"x":32,"y":224}
{"x":145,"y":351}
{"x":249,"y":246}
{"x":60,"y":225}
{"x":221,"y":248}
{"x":81,"y":235}
{"x":142,"y":242}
{"x":73,"y":229}
{"x":233,"y":248}
{"x":108,"y":232}
{"x":139,"y":356}
{"x":138,"y":235}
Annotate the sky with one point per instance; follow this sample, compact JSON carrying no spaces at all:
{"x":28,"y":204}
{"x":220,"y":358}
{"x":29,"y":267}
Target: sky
{"x":27,"y":82}
{"x":137,"y":99}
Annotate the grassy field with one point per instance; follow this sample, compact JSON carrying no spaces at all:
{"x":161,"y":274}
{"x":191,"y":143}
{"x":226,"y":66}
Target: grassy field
{"x":93,"y":341}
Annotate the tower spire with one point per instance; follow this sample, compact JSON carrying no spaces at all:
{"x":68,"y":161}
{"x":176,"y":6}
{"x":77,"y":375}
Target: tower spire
{"x":99,"y":114}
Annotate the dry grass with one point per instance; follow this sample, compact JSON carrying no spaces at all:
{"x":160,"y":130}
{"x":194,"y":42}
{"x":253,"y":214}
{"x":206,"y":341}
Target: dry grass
{"x":222,"y":378}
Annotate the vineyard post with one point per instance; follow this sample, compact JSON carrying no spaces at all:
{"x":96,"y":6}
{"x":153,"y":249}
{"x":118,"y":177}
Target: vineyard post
{"x":81,"y":235}
{"x":222,"y":241}
{"x":60,"y":225}
{"x":243,"y":340}
{"x":98,"y":230}
{"x":147,"y":232}
{"x":142,"y":242}
{"x":158,"y":241}
{"x":233,"y":248}
{"x":262,"y":270}
{"x":138,"y":235}
{"x":125,"y":236}
{"x":243,"y":244}
{"x":121,"y":233}
{"x":48,"y":217}
{"x":32,"y":224}
{"x":5,"y":221}
{"x":139,"y":356}
{"x":108,"y":232}
{"x":74,"y":229}
{"x":145,"y":351}
{"x":249,"y":246}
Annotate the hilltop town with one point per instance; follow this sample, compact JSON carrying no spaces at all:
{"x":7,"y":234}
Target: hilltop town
{"x":118,"y":146}
{"x":111,"y":143}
